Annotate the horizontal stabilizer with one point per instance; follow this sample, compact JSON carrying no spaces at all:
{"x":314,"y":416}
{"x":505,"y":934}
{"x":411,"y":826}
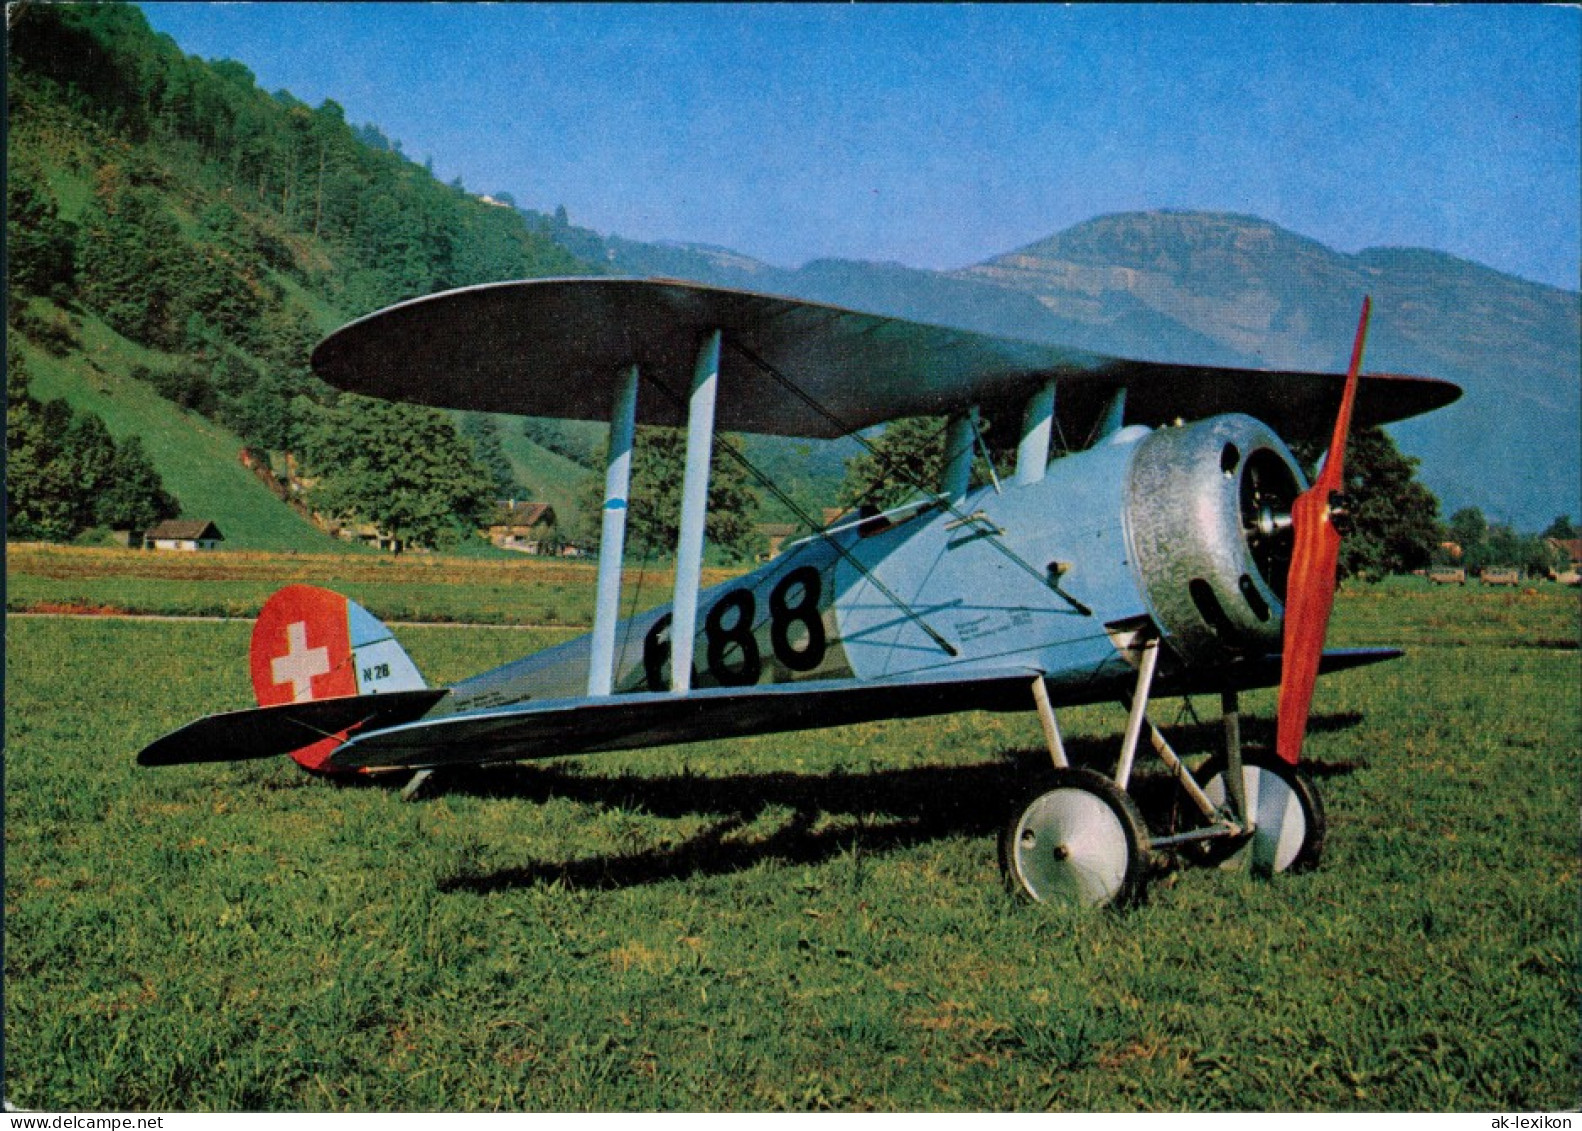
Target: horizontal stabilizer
{"x":265,"y":732}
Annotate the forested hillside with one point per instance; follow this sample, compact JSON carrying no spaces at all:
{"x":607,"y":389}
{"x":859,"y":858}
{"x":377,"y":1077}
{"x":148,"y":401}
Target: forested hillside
{"x":178,"y":241}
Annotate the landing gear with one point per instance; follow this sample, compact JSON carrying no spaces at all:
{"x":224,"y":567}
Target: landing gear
{"x":1075,"y":838}
{"x":418,"y":786}
{"x":1286,"y":811}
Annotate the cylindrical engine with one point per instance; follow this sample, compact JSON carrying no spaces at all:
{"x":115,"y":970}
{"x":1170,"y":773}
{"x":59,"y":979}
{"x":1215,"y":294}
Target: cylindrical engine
{"x":1208,"y":520}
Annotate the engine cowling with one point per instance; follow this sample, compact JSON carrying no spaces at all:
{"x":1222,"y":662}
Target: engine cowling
{"x":1208,"y":521}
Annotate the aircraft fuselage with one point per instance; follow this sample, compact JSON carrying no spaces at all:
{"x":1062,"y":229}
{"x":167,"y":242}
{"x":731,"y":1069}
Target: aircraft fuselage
{"x":1053,"y":575}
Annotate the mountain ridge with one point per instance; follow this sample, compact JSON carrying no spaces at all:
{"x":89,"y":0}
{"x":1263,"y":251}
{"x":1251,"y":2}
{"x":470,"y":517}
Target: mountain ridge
{"x":223,"y":227}
{"x":1218,"y":288}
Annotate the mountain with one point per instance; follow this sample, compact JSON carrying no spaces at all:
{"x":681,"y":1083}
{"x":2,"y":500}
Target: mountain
{"x":1225,"y":289}
{"x":1252,"y":291}
{"x":178,"y":237}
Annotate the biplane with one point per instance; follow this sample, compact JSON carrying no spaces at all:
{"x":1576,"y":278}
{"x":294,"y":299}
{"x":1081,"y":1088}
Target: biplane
{"x":1176,"y":549}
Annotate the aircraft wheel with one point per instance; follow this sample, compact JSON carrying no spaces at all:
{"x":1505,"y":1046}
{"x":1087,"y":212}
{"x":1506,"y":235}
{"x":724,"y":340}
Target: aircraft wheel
{"x":1286,"y":806}
{"x":1075,"y":838}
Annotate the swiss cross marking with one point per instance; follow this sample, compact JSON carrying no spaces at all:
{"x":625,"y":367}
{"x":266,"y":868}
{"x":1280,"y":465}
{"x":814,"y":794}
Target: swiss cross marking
{"x":300,"y":663}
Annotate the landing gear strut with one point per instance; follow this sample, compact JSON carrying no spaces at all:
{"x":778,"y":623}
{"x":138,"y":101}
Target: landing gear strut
{"x":1077,"y":837}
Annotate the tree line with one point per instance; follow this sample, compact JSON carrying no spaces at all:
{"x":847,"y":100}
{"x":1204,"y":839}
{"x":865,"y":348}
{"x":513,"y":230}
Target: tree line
{"x":226,"y":228}
{"x":1474,"y":543}
{"x":65,"y":474}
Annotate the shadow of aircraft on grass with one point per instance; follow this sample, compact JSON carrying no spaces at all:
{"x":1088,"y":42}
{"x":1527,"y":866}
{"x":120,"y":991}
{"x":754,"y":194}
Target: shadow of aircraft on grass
{"x":831,"y":814}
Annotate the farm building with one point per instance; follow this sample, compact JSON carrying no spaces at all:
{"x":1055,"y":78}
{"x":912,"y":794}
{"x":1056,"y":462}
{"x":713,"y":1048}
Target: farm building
{"x":367,"y":534}
{"x":183,"y":534}
{"x":1568,"y":550}
{"x":1568,"y":554}
{"x":775,"y":535}
{"x":528,"y":527}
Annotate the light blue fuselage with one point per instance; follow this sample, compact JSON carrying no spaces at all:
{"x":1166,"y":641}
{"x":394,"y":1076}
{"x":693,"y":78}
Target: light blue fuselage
{"x":977,"y":574}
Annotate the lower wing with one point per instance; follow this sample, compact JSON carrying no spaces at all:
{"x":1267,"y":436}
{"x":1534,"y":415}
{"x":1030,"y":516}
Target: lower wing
{"x":554,"y":729}
{"x":389,"y":730}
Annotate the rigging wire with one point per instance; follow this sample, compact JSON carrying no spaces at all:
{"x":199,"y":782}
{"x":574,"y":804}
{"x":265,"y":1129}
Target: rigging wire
{"x":631,"y":613}
{"x":785,"y":499}
{"x":887,"y":466}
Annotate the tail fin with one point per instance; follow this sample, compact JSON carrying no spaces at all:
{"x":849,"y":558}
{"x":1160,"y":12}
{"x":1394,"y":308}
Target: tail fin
{"x":311,"y":643}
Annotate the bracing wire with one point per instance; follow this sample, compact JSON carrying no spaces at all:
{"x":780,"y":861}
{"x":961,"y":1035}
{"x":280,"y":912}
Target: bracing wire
{"x":785,"y":499}
{"x":888,"y":466}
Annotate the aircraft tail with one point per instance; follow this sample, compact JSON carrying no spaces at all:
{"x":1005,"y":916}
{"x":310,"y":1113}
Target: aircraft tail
{"x":311,"y":644}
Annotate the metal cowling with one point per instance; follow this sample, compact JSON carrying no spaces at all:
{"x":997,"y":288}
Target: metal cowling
{"x":1208,"y":526}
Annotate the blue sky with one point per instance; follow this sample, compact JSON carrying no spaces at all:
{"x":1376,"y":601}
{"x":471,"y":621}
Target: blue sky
{"x":942,"y":135}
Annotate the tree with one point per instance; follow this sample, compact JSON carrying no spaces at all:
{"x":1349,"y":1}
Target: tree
{"x":1393,"y":519}
{"x":404,"y":469}
{"x":908,"y":457}
{"x":908,"y":454}
{"x":40,"y":246}
{"x":483,"y":433}
{"x":126,"y":266}
{"x":89,"y":454}
{"x":134,"y":498}
{"x":658,"y":468}
{"x":566,"y":438}
{"x":1561,"y":528}
{"x":40,"y":501}
{"x":65,"y":473}
{"x":264,"y":414}
{"x":1506,"y":547}
{"x":1468,"y":528}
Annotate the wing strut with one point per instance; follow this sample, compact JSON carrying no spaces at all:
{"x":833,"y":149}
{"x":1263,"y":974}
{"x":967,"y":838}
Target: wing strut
{"x":959,"y":448}
{"x":959,"y":435}
{"x":1032,"y":454}
{"x":612,"y":541}
{"x":1113,"y":418}
{"x":694,"y":512}
{"x":856,"y":563}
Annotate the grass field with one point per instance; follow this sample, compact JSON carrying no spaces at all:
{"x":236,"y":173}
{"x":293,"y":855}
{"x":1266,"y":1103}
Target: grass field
{"x":508,"y":590}
{"x":797,"y":922}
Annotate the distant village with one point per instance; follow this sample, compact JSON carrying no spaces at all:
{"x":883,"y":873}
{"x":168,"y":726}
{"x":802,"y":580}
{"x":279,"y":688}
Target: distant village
{"x":526,"y":528}
{"x":1566,"y":552}
{"x":532,"y":528}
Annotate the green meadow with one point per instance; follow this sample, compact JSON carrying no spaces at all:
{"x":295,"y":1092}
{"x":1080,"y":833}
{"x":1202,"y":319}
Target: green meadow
{"x":799,"y":922}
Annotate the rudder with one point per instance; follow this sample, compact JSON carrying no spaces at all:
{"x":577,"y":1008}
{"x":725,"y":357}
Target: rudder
{"x":311,"y":643}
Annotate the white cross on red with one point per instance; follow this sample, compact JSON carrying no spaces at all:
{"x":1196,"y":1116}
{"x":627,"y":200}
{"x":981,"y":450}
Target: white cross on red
{"x":300,"y":663}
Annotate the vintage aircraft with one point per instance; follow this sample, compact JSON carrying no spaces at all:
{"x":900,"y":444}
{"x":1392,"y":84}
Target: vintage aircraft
{"x":1179,"y":551}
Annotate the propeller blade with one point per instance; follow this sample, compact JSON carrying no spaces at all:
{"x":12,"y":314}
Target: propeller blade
{"x":1310,"y":590}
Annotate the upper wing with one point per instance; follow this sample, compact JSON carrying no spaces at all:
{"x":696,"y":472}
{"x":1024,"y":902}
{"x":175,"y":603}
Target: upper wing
{"x":623,"y":722}
{"x":556,"y":347}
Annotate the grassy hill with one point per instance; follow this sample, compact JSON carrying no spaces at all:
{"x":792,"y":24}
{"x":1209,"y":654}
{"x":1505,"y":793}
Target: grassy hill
{"x":197,"y":458}
{"x":546,"y":476}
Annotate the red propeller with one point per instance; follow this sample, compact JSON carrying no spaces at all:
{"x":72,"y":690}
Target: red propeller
{"x":1310,"y":590}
